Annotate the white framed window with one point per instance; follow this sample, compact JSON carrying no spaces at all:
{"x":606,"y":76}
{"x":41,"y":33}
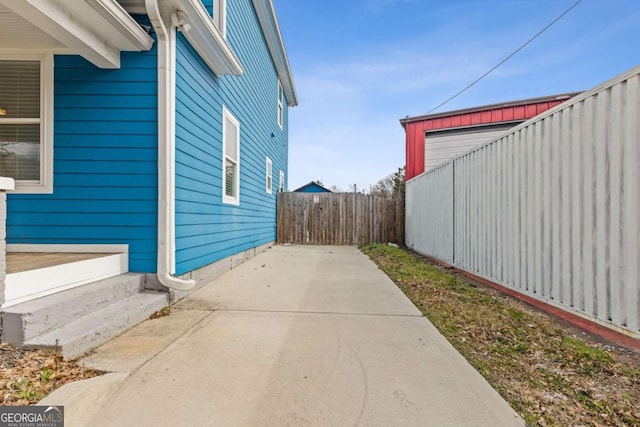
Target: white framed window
{"x":230,"y":158}
{"x":220,"y":16}
{"x":281,"y":182}
{"x":280,"y":105}
{"x":26,"y":121}
{"x":269,"y":175}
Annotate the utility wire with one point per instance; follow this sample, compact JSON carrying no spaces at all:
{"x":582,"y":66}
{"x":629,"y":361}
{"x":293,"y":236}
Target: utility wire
{"x":460,"y":92}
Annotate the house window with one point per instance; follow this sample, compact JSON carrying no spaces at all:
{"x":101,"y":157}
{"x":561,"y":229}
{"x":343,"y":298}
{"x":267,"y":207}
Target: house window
{"x":280,"y":105}
{"x":220,"y":16}
{"x":269,"y":176}
{"x":26,"y":111}
{"x":281,"y":182}
{"x":231,"y":159}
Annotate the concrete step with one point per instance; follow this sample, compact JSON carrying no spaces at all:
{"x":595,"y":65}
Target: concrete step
{"x":98,"y":327}
{"x":27,"y":320}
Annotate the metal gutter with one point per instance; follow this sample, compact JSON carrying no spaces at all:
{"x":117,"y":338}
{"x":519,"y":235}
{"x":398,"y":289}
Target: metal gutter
{"x":166,"y":149}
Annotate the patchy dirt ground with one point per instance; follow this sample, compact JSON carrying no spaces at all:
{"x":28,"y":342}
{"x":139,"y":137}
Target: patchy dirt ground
{"x":26,"y":376}
{"x":550,"y":373}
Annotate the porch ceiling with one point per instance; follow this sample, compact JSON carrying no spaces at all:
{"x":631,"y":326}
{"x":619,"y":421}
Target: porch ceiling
{"x":98,"y":30}
{"x":17,"y":33}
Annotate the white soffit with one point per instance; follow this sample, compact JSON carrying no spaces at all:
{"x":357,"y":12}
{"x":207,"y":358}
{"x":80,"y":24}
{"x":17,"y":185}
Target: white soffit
{"x":16,"y":33}
{"x":98,"y":30}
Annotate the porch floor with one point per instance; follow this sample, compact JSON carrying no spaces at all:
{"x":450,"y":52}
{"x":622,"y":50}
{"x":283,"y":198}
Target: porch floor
{"x":25,"y":261}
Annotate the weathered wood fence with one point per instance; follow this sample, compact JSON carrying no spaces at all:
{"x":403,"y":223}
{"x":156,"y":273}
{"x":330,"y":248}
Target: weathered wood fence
{"x":339,"y":219}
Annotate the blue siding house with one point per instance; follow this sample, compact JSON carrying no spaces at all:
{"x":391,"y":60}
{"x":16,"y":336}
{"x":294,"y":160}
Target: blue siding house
{"x":153,"y":130}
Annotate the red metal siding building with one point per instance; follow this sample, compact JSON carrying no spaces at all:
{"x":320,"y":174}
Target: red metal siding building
{"x":471,"y":122}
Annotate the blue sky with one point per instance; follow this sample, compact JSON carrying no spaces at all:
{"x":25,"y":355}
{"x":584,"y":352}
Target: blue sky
{"x":361,"y":65}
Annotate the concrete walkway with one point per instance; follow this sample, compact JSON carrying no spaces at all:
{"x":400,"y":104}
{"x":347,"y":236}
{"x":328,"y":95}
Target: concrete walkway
{"x":298,"y":336}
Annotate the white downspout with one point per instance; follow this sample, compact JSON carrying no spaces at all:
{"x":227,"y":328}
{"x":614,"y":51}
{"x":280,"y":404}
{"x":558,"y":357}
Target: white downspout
{"x":166,"y":150}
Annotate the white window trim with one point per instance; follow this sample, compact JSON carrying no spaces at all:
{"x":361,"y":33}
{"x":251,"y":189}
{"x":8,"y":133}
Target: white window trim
{"x":220,"y":16}
{"x":280,"y":105}
{"x":226,"y":114}
{"x":45,"y":184}
{"x":269,"y":176}
{"x":281,"y":183}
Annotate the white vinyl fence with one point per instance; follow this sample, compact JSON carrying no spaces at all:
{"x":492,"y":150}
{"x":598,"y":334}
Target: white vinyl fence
{"x":550,"y":209}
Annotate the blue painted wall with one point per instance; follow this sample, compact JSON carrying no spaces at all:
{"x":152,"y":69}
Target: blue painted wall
{"x":105,"y":154}
{"x":105,"y":161}
{"x":206,"y":229}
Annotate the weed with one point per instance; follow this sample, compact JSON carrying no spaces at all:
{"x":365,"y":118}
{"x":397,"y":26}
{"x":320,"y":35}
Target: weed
{"x":587,"y":352}
{"x":631,"y":372}
{"x":515,"y":350}
{"x":46,"y":374}
{"x":582,"y":396}
{"x":24,"y":390}
{"x":531,"y":419}
{"x":30,"y":394}
{"x":516,"y":314}
{"x":19,"y":385}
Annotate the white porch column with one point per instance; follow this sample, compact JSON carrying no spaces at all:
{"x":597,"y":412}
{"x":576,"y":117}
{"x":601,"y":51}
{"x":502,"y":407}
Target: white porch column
{"x":6,"y":184}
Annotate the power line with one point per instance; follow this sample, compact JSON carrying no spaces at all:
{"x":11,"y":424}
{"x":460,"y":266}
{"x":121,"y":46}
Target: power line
{"x":460,"y":92}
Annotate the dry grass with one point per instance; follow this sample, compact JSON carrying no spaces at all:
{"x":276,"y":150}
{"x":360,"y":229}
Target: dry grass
{"x":26,"y":376}
{"x":549,"y":373}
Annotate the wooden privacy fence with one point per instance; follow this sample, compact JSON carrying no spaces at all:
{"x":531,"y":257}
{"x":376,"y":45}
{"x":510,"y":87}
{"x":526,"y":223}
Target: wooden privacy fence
{"x":339,"y":219}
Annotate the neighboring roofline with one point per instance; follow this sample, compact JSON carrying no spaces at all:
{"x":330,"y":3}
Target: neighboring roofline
{"x":517,"y":103}
{"x":271,"y":30}
{"x":310,"y":184}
